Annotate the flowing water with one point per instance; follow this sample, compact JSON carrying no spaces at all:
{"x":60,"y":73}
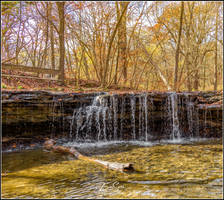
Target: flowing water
{"x":109,"y":116}
{"x":121,"y":129}
{"x":173,"y":111}
{"x":165,"y":170}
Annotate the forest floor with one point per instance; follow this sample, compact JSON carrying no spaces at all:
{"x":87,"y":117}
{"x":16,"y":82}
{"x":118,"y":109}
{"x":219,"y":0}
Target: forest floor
{"x":84,"y":86}
{"x":22,"y":84}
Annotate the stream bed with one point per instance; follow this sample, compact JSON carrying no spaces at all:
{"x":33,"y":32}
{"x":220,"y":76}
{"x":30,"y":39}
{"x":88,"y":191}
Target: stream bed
{"x":164,"y":170}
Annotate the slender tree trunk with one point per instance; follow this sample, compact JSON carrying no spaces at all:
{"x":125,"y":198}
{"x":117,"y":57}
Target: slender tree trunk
{"x":69,"y":59}
{"x":122,"y":38}
{"x":188,"y":73}
{"x":44,"y":57}
{"x":191,"y":10}
{"x":60,"y":6}
{"x":196,"y":82}
{"x":216,"y":52}
{"x":52,"y":39}
{"x":86,"y":67}
{"x":105,"y":70}
{"x":204,"y":71}
{"x":116,"y":67}
{"x":178,"y":47}
{"x":17,"y":40}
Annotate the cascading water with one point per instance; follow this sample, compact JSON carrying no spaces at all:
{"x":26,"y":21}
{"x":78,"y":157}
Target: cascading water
{"x":140,"y":116}
{"x":192,"y":115}
{"x":146,"y":116}
{"x":133,"y":108}
{"x":53,"y":111}
{"x":114,"y":117}
{"x":122,"y":117}
{"x":115,"y":110}
{"x":79,"y":122}
{"x":71,"y":124}
{"x":98,"y":123}
{"x":104,"y":124}
{"x":173,"y":112}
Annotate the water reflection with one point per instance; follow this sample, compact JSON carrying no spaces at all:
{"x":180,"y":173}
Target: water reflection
{"x":164,"y":171}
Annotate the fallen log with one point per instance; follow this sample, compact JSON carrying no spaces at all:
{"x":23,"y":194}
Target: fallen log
{"x":123,"y":167}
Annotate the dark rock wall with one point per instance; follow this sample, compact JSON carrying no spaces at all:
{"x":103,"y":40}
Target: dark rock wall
{"x":143,"y":116}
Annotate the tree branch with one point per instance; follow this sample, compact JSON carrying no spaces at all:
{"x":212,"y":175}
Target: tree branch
{"x":46,"y":18}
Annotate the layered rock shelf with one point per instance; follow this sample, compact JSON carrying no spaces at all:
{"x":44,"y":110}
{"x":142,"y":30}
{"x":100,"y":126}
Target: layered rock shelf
{"x":103,"y":116}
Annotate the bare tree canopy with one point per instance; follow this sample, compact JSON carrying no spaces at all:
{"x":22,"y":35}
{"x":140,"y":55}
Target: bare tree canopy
{"x":138,"y":45}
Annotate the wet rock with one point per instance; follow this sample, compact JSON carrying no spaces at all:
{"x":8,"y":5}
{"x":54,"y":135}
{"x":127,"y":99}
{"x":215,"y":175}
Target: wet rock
{"x":51,"y":114}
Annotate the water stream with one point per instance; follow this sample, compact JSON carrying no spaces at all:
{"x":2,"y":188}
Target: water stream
{"x":122,"y":129}
{"x":192,"y":170}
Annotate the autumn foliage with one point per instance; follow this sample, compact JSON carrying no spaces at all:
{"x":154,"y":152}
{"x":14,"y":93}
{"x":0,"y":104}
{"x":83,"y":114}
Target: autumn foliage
{"x":136,"y":45}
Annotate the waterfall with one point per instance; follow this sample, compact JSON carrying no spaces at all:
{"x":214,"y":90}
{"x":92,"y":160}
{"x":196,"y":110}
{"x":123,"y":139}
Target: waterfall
{"x":190,"y":112}
{"x":115,"y":110}
{"x":104,"y":124}
{"x":151,"y":110}
{"x":79,"y":121}
{"x":53,"y":111}
{"x":173,"y":110}
{"x":113,"y":117}
{"x":146,"y":116}
{"x":98,"y":124}
{"x":133,"y":108}
{"x":140,"y":116}
{"x":110,"y":123}
{"x":122,"y":117}
{"x":71,"y":124}
{"x":197,"y":123}
{"x":205,"y":118}
{"x":91,"y":121}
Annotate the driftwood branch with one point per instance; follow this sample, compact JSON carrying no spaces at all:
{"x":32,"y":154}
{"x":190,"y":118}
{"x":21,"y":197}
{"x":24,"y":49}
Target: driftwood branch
{"x":123,"y":167}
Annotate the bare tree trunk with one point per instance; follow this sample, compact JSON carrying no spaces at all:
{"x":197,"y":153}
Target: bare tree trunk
{"x":216,"y":52}
{"x":191,"y":10}
{"x":116,"y":67}
{"x":204,"y":78}
{"x":178,"y":48}
{"x":17,"y":40}
{"x":60,"y":6}
{"x":86,"y":67}
{"x":52,"y":39}
{"x":122,"y":38}
{"x":44,"y":57}
{"x":196,"y":80}
{"x":104,"y":78}
{"x":68,"y":58}
{"x":188,"y":72}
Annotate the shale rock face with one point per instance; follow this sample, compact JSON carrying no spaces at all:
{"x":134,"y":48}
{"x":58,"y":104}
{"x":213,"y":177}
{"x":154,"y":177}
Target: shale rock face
{"x":103,"y":117}
{"x":39,"y":112}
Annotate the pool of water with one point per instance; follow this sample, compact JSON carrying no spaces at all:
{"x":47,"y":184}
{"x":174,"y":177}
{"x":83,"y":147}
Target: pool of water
{"x":187,"y":170}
